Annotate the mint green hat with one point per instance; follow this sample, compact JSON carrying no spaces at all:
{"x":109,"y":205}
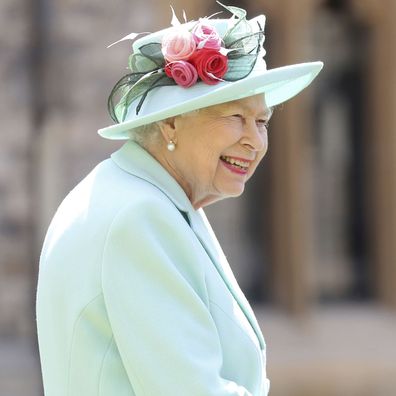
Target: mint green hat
{"x":198,"y":64}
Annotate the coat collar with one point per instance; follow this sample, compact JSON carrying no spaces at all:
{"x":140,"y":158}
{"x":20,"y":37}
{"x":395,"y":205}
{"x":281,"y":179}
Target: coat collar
{"x":135,"y":160}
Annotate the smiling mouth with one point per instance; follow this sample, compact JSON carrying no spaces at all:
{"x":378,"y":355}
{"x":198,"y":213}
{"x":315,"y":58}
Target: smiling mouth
{"x":236,"y":162}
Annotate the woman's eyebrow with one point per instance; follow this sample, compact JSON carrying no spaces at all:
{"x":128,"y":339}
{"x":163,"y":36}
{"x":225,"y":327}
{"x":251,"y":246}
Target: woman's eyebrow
{"x":266,"y":113}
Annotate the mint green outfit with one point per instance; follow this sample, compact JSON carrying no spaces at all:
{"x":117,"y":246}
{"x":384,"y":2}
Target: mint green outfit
{"x":135,"y":296}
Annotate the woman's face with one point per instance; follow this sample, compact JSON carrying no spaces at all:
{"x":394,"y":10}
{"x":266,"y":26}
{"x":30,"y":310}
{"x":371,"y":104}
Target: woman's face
{"x":218,"y":148}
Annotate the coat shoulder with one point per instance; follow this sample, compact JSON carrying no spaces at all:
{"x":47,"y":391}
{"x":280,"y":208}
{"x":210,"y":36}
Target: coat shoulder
{"x":106,"y":191}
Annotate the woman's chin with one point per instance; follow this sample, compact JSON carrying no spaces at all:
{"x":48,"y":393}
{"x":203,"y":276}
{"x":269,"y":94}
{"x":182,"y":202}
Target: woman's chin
{"x":233,"y":191}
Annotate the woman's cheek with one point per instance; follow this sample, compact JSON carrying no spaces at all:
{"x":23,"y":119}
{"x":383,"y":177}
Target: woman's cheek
{"x":254,"y":166}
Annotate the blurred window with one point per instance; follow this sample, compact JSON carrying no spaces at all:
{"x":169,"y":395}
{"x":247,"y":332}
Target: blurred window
{"x":341,"y":243}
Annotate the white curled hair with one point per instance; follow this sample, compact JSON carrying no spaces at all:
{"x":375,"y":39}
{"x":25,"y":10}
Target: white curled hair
{"x":146,"y":135}
{"x":149,"y":134}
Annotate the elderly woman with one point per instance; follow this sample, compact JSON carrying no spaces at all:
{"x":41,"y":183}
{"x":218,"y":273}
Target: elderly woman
{"x":135,"y":296}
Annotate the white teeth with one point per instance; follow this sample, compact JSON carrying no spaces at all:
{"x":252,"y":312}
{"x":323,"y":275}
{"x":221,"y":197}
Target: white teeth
{"x":233,"y":161}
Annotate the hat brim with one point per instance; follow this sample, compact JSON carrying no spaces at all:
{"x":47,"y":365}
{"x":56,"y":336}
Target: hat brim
{"x":278,"y":85}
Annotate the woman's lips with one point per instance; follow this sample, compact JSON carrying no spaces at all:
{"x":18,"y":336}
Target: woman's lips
{"x":236,"y":164}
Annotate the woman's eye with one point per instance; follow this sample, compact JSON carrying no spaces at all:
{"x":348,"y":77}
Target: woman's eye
{"x":263,"y":123}
{"x":237,"y":116}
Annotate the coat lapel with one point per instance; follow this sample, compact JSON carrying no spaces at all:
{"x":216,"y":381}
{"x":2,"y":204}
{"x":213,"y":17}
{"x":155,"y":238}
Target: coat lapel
{"x":209,"y":241}
{"x":135,"y":160}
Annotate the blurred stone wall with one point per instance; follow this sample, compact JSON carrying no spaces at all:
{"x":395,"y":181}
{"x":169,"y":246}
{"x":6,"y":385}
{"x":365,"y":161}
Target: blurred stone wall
{"x":15,"y":112}
{"x":56,"y":74}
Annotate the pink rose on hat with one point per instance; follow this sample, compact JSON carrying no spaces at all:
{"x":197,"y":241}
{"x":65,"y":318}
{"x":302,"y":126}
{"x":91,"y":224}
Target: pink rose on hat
{"x":211,"y":65}
{"x":206,"y":36}
{"x":178,"y":44}
{"x":194,"y":55}
{"x":184,"y":73}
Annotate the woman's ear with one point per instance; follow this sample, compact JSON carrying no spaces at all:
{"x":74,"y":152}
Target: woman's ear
{"x":168,"y":129}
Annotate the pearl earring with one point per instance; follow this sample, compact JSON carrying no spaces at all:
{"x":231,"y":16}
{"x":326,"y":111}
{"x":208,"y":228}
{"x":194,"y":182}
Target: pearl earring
{"x":171,"y":145}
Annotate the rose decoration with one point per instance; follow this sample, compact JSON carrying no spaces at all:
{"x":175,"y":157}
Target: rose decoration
{"x":211,"y":65}
{"x":168,"y":70}
{"x":206,"y":36}
{"x":189,"y":55}
{"x":186,"y":54}
{"x":178,"y":44}
{"x":184,"y":73}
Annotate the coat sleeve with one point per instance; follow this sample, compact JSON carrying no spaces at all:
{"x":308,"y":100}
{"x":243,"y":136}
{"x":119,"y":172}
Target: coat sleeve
{"x":154,"y":293}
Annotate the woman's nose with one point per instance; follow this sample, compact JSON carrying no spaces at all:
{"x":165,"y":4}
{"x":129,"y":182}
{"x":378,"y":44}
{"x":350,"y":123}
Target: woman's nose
{"x":255,"y":136}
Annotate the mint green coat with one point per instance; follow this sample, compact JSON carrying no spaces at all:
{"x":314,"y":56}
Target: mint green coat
{"x":135,"y":296}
